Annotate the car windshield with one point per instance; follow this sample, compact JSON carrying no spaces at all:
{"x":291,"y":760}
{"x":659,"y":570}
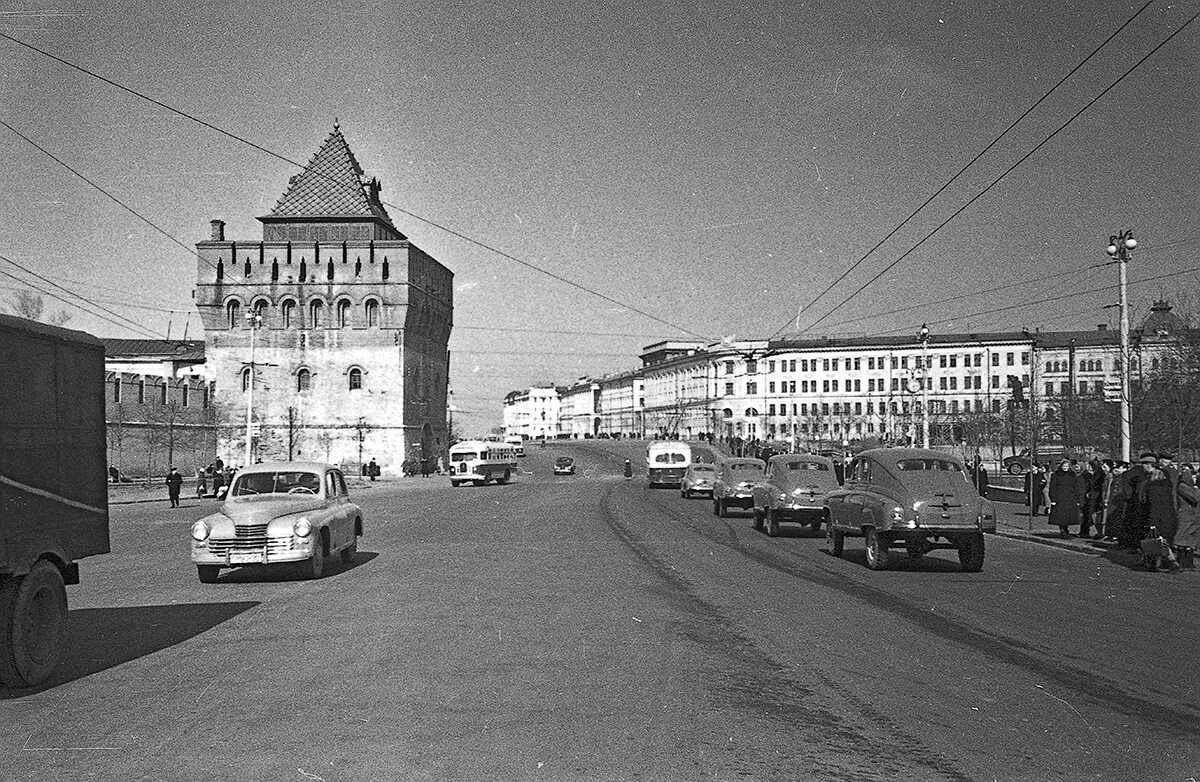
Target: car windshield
{"x":563,"y":460}
{"x":670,"y":458}
{"x":253,"y":483}
{"x":808,"y":466}
{"x":915,"y":465}
{"x":703,"y":468}
{"x":745,"y":467}
{"x":463,"y":456}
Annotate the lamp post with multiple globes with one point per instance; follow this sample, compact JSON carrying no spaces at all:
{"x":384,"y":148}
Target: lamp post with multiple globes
{"x":1120,"y":248}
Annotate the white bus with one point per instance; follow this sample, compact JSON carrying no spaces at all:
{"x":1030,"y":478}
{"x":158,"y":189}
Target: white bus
{"x":480,"y":461}
{"x":666,"y":461}
{"x":517,"y":442}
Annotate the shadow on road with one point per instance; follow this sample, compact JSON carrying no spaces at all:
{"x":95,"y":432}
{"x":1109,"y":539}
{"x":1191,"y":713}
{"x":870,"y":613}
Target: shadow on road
{"x":274,"y":573}
{"x":100,"y":638}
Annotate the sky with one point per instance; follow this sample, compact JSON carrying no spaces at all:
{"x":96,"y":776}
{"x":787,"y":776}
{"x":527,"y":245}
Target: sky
{"x":713,"y":164}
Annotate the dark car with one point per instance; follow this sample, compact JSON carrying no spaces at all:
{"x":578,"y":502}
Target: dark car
{"x":793,"y":490}
{"x":564,"y":465}
{"x":909,"y":498}
{"x":697,"y":479}
{"x":733,"y":486}
{"x":1020,"y":463}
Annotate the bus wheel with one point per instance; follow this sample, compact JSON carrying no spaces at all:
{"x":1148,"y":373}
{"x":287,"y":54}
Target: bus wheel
{"x":504,"y":478}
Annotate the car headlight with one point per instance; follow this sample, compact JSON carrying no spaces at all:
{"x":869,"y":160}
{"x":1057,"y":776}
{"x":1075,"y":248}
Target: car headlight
{"x":783,"y":497}
{"x":200,"y":531}
{"x":302,"y":528}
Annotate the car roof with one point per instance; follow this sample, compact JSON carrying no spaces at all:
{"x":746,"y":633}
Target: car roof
{"x":730,"y":460}
{"x":893,"y":455}
{"x":800,"y":457}
{"x":317,"y":467}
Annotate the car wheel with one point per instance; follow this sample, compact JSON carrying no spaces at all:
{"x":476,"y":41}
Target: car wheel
{"x":716,"y":507}
{"x":208,"y":573}
{"x":1016,"y":468}
{"x":350,"y":552}
{"x":758,"y":518}
{"x":816,"y":527}
{"x":314,"y":567}
{"x":835,"y":541}
{"x":722,"y":511}
{"x":970,"y":553}
{"x":33,"y":613}
{"x":772,"y":523}
{"x":877,"y":551}
{"x":455,"y":484}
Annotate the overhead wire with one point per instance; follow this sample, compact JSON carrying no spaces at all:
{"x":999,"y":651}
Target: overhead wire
{"x":103,"y":313}
{"x":413,"y":215}
{"x":1000,"y":178}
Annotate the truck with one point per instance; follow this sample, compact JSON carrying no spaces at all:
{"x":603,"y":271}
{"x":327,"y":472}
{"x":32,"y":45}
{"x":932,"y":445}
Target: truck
{"x":53,"y":487}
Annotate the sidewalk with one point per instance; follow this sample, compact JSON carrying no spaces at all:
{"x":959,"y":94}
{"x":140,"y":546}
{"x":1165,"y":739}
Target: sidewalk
{"x":138,"y":491}
{"x":1012,"y":521}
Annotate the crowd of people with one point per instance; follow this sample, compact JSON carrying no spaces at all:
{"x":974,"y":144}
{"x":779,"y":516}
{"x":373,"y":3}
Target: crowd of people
{"x":1150,"y":507}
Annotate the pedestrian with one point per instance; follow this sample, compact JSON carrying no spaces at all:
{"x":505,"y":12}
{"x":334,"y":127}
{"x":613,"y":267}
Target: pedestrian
{"x":201,"y":483}
{"x":372,"y":469}
{"x":425,"y":466}
{"x":1065,"y":498}
{"x":1187,"y":537}
{"x":628,"y":469}
{"x":174,"y":482}
{"x":1134,"y":522}
{"x":1159,"y":494}
{"x":981,"y":477}
{"x":1035,"y":488}
{"x":441,"y":463}
{"x":1093,"y":492}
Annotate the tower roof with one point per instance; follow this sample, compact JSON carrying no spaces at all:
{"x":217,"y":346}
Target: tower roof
{"x":331,"y":186}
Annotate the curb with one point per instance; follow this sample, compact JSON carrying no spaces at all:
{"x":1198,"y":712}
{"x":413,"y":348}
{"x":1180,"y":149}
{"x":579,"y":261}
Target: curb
{"x":1066,"y":545}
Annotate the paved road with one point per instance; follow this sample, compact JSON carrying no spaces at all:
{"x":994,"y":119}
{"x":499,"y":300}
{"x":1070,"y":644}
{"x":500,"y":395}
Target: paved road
{"x":589,"y":628}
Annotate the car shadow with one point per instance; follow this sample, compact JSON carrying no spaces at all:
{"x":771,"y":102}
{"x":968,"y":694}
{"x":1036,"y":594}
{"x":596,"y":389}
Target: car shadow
{"x":100,"y":638}
{"x":291,"y":572}
{"x":900,"y":562}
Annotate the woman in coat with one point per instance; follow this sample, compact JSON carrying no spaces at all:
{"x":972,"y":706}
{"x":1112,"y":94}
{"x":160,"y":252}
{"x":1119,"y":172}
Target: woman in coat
{"x":1035,"y":487}
{"x":1159,"y":496}
{"x":1066,"y":496}
{"x":1093,"y":504}
{"x":1187,"y":537}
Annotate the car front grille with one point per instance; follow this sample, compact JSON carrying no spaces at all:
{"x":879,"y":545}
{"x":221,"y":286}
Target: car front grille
{"x":249,"y":538}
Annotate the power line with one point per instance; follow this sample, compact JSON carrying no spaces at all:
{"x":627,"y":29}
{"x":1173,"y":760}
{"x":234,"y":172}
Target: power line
{"x":1000,"y":178}
{"x":55,"y":296}
{"x":399,"y":209}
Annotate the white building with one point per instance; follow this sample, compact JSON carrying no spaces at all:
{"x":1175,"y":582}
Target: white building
{"x":532,"y":413}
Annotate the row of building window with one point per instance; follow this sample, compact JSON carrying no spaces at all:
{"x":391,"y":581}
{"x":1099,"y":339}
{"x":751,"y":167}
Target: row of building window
{"x":289,"y":313}
{"x":854,"y":364}
{"x":248,"y":269}
{"x":163,"y":393}
{"x":874,"y":385}
{"x":825,"y":409}
{"x":354,"y":379}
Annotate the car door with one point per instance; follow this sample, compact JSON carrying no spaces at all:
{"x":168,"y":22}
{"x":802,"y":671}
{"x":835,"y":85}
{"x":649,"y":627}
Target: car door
{"x":335,"y":506}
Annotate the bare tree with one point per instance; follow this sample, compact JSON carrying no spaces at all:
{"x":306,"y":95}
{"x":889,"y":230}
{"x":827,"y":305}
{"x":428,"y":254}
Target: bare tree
{"x":28,"y":304}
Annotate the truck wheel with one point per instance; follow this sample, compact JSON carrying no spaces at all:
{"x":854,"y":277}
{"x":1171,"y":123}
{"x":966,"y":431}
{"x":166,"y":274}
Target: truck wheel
{"x":1015,"y":468}
{"x":455,"y":483}
{"x":504,"y":478}
{"x":835,"y":541}
{"x":33,"y":613}
{"x":758,"y":518}
{"x":816,"y":527}
{"x":772,"y":523}
{"x":970,"y":553}
{"x":877,"y":552}
{"x":207,"y":573}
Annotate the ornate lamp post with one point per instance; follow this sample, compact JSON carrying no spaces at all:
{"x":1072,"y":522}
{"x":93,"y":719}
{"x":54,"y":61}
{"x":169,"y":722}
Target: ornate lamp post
{"x":924,"y":386}
{"x":1120,"y":248}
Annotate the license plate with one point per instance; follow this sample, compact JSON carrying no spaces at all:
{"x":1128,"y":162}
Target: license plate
{"x":246,"y":557}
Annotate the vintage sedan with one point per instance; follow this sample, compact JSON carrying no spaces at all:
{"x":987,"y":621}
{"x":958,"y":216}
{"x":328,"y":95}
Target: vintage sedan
{"x":279,"y":512}
{"x":910,"y":498}
{"x":793,"y":490}
{"x":697,"y":479}
{"x":564,"y":465}
{"x":733,"y":486}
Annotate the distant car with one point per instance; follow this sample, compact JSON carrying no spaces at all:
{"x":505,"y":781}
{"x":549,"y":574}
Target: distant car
{"x":733,"y":486}
{"x":913,"y":499}
{"x":697,"y":479}
{"x":1020,"y":463}
{"x":793,"y":490}
{"x":279,"y":512}
{"x":564,"y":465}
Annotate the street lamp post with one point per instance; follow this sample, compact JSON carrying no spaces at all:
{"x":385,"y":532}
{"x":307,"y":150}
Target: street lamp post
{"x":253,"y":320}
{"x":924,"y":386}
{"x":1119,"y":249}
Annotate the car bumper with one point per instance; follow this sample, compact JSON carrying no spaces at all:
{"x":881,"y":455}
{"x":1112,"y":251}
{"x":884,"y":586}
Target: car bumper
{"x":739,"y":500}
{"x":800,"y":510}
{"x":230,"y":556}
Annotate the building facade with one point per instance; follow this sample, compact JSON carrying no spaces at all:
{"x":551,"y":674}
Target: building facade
{"x":343,"y":357}
{"x":532,"y":413}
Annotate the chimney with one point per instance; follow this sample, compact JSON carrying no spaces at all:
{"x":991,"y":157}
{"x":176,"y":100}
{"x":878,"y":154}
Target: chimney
{"x":218,"y":230}
{"x":1102,"y":327}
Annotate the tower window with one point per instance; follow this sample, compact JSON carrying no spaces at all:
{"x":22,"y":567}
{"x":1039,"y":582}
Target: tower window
{"x":355,"y":379}
{"x":303,"y":380}
{"x":343,"y":311}
{"x":372,"y":308}
{"x":233,"y":312}
{"x":287,"y":312}
{"x":316,"y":311}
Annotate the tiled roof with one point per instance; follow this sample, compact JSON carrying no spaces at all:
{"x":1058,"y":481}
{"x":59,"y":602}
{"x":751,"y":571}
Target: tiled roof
{"x":331,"y":185}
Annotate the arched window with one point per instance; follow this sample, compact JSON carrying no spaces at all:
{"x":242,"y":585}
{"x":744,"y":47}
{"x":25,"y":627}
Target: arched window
{"x":372,"y":312}
{"x":316,"y":314}
{"x":260,"y":310}
{"x":287,"y":313}
{"x":355,"y":379}
{"x":751,"y":412}
{"x":303,"y":380}
{"x":246,"y":379}
{"x":233,"y":313}
{"x":343,"y":312}
{"x":727,"y":413}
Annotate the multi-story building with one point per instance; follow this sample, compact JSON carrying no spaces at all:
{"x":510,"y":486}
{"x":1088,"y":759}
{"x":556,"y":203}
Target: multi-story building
{"x":343,"y":357}
{"x":532,"y":413}
{"x":579,"y":409}
{"x":622,"y":399}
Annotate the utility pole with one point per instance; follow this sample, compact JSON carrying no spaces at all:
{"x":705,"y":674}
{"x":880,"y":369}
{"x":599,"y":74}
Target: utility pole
{"x":1120,"y":248}
{"x":253,"y":320}
{"x":924,"y":386}
{"x":291,"y":433}
{"x":361,"y":426}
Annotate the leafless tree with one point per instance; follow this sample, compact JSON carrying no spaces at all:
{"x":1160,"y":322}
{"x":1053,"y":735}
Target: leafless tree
{"x":27,"y":304}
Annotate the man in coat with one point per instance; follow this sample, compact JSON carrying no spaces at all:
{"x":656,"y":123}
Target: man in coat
{"x":1066,"y":496}
{"x":1035,"y":488}
{"x":174,"y":482}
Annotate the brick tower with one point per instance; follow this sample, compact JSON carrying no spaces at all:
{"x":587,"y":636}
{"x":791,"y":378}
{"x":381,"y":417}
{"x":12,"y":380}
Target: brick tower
{"x":348,"y":327}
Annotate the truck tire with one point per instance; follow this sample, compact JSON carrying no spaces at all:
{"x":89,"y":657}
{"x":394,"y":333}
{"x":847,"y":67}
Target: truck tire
{"x":33,"y":616}
{"x":877,"y":552}
{"x":970,"y":552}
{"x":835,"y":541}
{"x":504,"y":479}
{"x":207,"y":573}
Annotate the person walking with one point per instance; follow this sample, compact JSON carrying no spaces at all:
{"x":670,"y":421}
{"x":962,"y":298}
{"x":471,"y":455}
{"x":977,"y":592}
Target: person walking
{"x":1035,"y":488}
{"x":372,"y":469}
{"x":1093,"y":491}
{"x":1159,"y":494}
{"x":1187,"y":537}
{"x":1134,"y":523}
{"x":1065,"y":498}
{"x":174,"y":482}
{"x":201,"y":483}
{"x":981,"y":477}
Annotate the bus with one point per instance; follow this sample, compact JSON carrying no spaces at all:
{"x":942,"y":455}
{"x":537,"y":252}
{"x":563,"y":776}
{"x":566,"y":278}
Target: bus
{"x":480,"y":461}
{"x":666,"y":462}
{"x":517,"y":442}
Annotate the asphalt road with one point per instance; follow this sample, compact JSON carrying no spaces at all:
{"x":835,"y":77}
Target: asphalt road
{"x":588,"y":627}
